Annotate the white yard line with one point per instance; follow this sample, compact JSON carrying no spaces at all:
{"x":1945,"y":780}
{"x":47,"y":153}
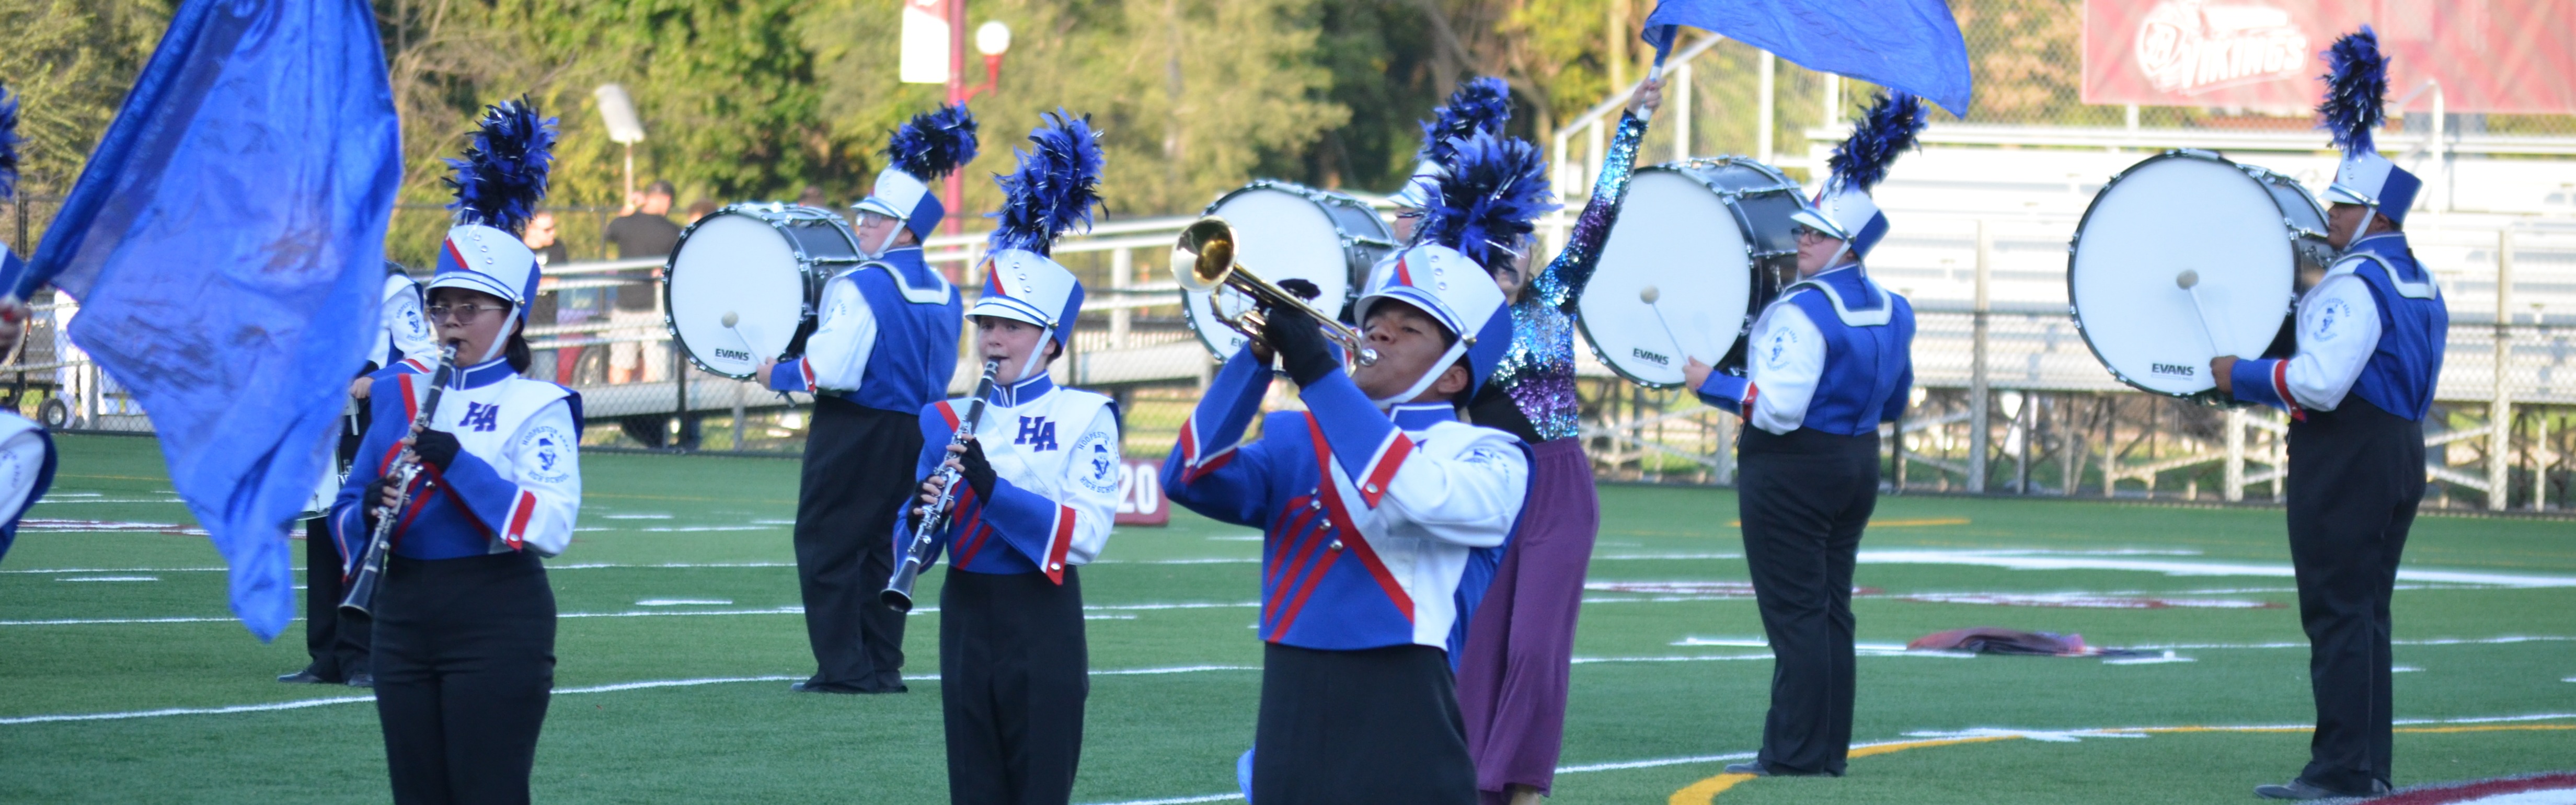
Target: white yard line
{"x":2038,"y":560}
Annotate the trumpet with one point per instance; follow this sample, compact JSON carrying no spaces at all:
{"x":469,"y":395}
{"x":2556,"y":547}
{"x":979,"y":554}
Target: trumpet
{"x":1203,"y":261}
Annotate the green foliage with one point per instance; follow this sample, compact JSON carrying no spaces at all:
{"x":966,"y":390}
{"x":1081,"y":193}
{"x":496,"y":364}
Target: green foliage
{"x":71,"y":62}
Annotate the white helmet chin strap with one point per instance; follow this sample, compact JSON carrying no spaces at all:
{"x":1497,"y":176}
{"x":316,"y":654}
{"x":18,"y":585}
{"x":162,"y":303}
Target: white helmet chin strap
{"x":1045,"y":336}
{"x":2368,"y":211}
{"x":500,"y":342}
{"x":1438,"y":368}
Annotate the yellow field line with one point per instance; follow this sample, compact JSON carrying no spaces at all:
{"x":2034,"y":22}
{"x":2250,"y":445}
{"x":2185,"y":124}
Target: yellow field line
{"x":1705,"y":791}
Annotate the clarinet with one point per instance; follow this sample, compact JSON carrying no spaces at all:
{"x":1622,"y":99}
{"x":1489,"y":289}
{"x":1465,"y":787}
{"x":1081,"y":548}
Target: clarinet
{"x":898,"y":591}
{"x":406,"y":468}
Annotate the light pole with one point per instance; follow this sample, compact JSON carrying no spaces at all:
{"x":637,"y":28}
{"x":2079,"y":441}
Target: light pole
{"x":991,"y":39}
{"x":618,"y":112}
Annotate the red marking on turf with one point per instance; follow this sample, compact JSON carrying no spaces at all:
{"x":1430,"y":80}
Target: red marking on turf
{"x":2481,"y":789}
{"x":2083,"y":601}
{"x":1727,"y":589}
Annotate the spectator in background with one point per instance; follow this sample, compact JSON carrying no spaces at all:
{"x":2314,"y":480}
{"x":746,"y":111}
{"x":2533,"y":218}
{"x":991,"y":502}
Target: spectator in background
{"x":646,"y":232}
{"x":812,"y":197}
{"x":700,"y":209}
{"x":551,"y":305}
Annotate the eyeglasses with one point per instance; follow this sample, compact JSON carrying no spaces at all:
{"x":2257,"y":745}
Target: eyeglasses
{"x":1805,"y":233}
{"x":465,"y":314}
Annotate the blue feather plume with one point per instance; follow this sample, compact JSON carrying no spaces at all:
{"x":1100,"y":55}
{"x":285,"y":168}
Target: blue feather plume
{"x":1480,"y":104}
{"x":1054,"y":187}
{"x":1495,"y":188}
{"x":934,"y":143}
{"x":503,"y":175}
{"x":1886,"y":130}
{"x":2356,"y":89}
{"x":8,"y":144}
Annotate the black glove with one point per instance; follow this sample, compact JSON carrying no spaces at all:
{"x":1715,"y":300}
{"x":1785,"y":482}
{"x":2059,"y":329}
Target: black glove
{"x":437,"y":448}
{"x":978,"y":471}
{"x":375,"y":497}
{"x":1304,"y":289}
{"x":1301,"y":345}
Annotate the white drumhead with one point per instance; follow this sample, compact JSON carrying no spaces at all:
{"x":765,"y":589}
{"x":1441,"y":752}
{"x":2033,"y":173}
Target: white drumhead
{"x":1278,"y":235}
{"x":2163,"y":217}
{"x":1676,"y":236}
{"x":735,"y":265}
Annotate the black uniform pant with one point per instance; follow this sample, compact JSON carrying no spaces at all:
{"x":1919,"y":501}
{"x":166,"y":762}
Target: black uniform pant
{"x":2356,"y":476}
{"x":858,"y":473}
{"x":336,"y":638}
{"x":1804,"y":498}
{"x":1014,"y":669}
{"x":465,"y":662}
{"x":1367,"y":726}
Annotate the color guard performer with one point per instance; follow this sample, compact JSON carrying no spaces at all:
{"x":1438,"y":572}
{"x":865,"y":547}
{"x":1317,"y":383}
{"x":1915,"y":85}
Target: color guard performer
{"x":2370,"y":338}
{"x":465,"y":622}
{"x":1373,"y":501}
{"x":884,"y":345}
{"x":1830,"y":359}
{"x":1514,"y":669}
{"x":26,"y":450}
{"x":334,"y":637}
{"x":1014,"y":668}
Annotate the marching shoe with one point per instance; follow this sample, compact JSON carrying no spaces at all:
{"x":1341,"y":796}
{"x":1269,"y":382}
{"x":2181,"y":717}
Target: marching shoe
{"x":1759,"y":769}
{"x":2300,"y":788}
{"x":362,"y":680}
{"x":811,"y":686}
{"x":303,"y":677}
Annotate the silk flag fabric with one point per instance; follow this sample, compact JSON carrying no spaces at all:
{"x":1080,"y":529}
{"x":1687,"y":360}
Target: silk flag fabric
{"x":225,"y":242}
{"x":1909,"y":45}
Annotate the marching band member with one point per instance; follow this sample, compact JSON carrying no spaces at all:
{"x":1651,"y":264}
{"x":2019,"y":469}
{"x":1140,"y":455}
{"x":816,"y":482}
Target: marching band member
{"x":2370,"y":338}
{"x":465,"y":622}
{"x":884,"y":345}
{"x":1014,"y":667}
{"x":336,"y":638}
{"x":1830,"y":360}
{"x":1513,"y":671}
{"x":26,"y":450}
{"x":1373,"y":502}
{"x":1479,"y":104}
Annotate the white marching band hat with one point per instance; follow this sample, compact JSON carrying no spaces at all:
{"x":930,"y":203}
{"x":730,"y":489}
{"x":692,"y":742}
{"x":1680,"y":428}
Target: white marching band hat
{"x":1456,"y":292}
{"x":1050,"y":192}
{"x":2354,"y":106}
{"x":925,"y":149}
{"x":498,"y":185}
{"x":1842,"y":208}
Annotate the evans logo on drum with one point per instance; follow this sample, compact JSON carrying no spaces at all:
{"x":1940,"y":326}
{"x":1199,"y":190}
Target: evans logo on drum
{"x":1659,"y":359}
{"x":732,"y":354}
{"x":2177,"y":370}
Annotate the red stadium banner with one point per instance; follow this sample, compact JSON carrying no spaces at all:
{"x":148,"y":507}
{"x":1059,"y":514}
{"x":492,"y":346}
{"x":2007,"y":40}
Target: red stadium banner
{"x":1140,"y":494}
{"x":2499,"y":56}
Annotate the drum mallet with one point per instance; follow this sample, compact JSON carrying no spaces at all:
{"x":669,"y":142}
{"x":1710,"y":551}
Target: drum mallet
{"x":1649,"y":295}
{"x":2189,"y":281}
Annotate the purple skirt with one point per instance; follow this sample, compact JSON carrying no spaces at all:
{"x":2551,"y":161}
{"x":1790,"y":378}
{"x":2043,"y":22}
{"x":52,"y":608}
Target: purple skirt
{"x":1512,"y":671}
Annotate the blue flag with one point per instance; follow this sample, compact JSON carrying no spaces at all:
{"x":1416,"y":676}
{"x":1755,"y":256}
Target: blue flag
{"x":226,"y":241}
{"x":1910,"y":45}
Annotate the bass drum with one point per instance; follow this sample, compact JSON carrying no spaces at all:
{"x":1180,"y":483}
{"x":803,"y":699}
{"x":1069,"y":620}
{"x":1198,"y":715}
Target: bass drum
{"x":1700,"y":247}
{"x":1287,"y":231}
{"x":2246,"y":232}
{"x":743,"y":283}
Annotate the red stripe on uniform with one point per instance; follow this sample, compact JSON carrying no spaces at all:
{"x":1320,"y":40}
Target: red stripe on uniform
{"x":1352,"y":539}
{"x":1751,"y":391}
{"x":520,"y":511}
{"x":1062,"y":543}
{"x":948,"y":413}
{"x":1387,"y":462}
{"x":411,"y":404}
{"x":1294,"y":553}
{"x":2281,"y":386}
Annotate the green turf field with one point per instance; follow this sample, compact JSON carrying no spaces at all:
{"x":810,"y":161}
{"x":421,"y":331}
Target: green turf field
{"x":688,"y":702}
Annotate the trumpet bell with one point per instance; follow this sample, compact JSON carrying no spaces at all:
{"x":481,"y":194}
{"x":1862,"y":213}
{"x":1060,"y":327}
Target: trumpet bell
{"x":1204,"y":257}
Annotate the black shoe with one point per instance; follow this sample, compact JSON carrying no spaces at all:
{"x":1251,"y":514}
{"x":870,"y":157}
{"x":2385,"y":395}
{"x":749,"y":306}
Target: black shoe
{"x":362,"y":681}
{"x":811,"y":686}
{"x":1760,"y":769}
{"x":304,"y":677}
{"x":2300,"y":788}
